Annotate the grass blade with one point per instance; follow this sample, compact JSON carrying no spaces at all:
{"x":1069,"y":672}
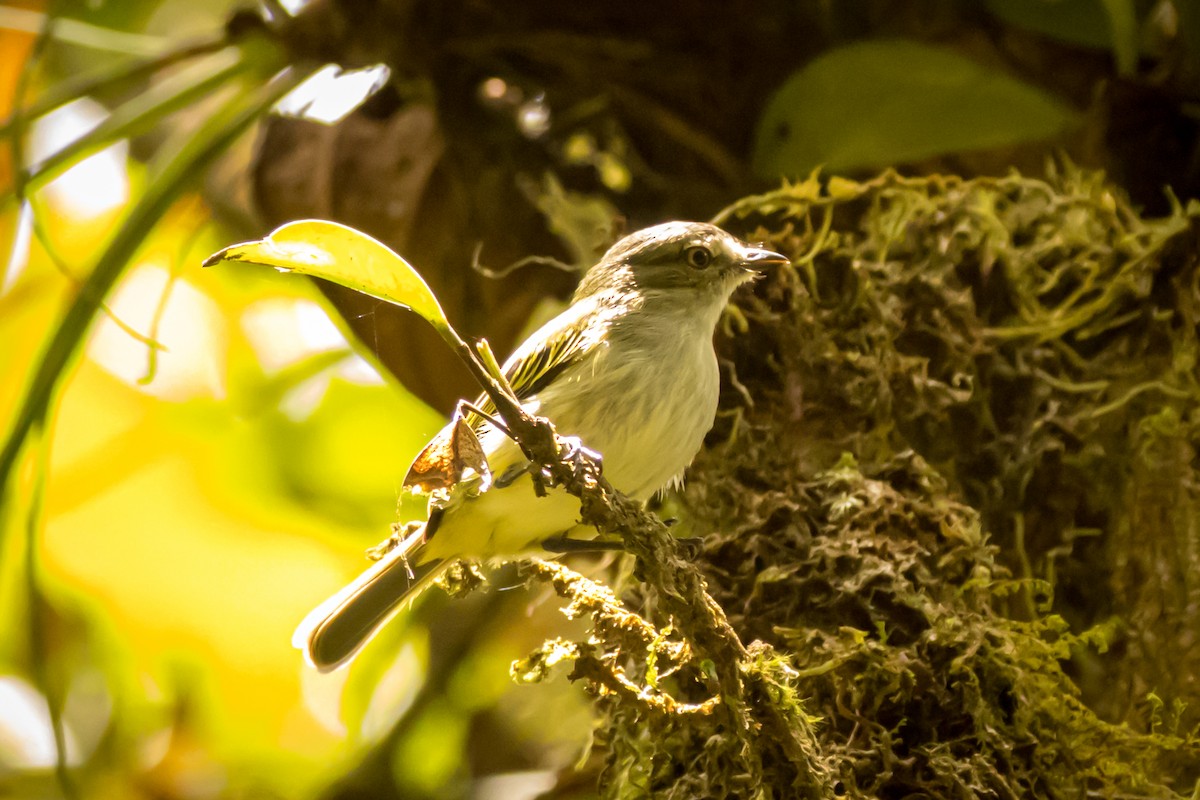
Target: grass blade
{"x":108,"y":79}
{"x":209,"y":141}
{"x":137,"y":116}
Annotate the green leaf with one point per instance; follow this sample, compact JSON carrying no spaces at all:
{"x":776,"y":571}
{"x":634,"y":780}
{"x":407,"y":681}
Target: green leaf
{"x":1099,"y":24}
{"x":345,"y":256}
{"x":145,"y":111}
{"x":880,"y":103}
{"x":1123,"y":27}
{"x":107,"y":80}
{"x":1078,"y":22}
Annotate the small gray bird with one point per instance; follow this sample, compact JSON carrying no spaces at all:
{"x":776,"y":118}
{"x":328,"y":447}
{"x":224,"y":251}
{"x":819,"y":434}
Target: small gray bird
{"x":628,"y":368}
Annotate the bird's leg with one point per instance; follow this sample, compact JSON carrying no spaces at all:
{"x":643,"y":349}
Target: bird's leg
{"x":565,"y":544}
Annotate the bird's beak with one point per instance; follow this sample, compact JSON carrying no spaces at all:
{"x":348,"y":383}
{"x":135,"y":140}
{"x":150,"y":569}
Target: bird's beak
{"x":755,"y":258}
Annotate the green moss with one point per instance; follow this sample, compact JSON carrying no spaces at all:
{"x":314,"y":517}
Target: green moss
{"x":959,"y":527}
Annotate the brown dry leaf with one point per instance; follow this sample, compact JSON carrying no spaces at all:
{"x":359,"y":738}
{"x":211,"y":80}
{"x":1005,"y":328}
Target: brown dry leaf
{"x":448,"y":455}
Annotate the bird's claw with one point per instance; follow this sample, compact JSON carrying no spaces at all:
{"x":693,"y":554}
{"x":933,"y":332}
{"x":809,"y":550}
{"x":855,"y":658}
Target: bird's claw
{"x":572,"y":451}
{"x":690,"y":546}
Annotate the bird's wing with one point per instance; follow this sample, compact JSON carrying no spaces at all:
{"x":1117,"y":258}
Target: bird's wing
{"x":558,"y":345}
{"x":545,"y":355}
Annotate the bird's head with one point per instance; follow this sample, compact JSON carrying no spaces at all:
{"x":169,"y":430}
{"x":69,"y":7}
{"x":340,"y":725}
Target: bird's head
{"x":678,"y":257}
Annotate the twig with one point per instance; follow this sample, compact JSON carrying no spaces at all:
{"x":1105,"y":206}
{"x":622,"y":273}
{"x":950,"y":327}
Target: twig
{"x":527,"y":261}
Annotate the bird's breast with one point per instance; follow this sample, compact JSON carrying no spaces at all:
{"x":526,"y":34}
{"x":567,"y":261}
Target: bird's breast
{"x":645,"y":406}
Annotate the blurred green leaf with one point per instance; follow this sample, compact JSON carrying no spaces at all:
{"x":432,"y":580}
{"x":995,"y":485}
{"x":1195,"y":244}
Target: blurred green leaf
{"x":317,"y":458}
{"x":1123,"y":25}
{"x":108,"y":79}
{"x":386,"y":677}
{"x":880,"y":103}
{"x":430,"y":756}
{"x":1100,"y":24}
{"x":182,"y":167}
{"x":345,"y":256}
{"x":1079,"y":22}
{"x":144,"y":112}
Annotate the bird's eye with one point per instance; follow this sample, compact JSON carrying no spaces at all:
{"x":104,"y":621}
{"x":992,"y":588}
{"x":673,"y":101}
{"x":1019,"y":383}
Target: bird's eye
{"x":698,"y":257}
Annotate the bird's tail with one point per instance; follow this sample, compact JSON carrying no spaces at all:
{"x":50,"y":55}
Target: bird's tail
{"x":335,"y":630}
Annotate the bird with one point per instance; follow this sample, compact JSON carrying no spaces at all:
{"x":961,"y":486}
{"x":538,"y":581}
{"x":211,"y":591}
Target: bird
{"x":628,"y":369}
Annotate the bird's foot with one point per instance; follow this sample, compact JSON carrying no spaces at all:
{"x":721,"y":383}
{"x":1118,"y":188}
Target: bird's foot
{"x":509,"y":476}
{"x":573,"y":451}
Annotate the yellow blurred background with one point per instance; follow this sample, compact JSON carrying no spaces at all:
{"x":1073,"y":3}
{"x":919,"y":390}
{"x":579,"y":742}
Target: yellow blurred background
{"x":216,"y":463}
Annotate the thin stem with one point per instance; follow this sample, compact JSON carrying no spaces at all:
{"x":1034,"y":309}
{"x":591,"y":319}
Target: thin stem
{"x":19,"y":121}
{"x":39,"y":655}
{"x":495,"y":387}
{"x":43,"y":237}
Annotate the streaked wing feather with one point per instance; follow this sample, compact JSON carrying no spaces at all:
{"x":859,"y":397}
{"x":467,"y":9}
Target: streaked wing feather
{"x":531,"y":374}
{"x":543,"y":357}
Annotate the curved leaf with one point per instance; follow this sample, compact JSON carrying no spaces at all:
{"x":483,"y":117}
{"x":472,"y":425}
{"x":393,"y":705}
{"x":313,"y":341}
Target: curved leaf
{"x":881,"y":103}
{"x":345,"y":256}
